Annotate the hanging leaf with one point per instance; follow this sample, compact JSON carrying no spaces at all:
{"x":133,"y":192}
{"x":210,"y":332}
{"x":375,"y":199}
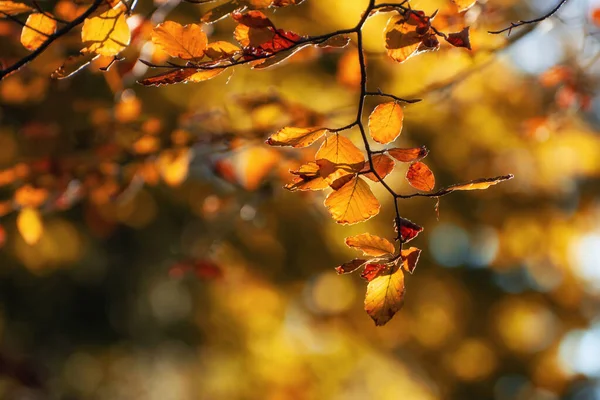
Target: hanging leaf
{"x":338,"y":157}
{"x":13,"y":8}
{"x":464,"y":5}
{"x":307,"y":178}
{"x":186,"y":42}
{"x":410,"y":257}
{"x":420,"y":177}
{"x":385,"y":122}
{"x":296,"y":137}
{"x":350,"y":266}
{"x":338,"y":41}
{"x":408,"y":155}
{"x":385,"y":294}
{"x":371,"y":271}
{"x":383,"y":164}
{"x":371,"y":245}
{"x":408,"y":36}
{"x":29,"y":224}
{"x":38,"y":27}
{"x":460,"y":39}
{"x":408,"y":229}
{"x":106,"y":34}
{"x":220,"y":50}
{"x":183,"y":75}
{"x":354,"y":202}
{"x":477,"y":184}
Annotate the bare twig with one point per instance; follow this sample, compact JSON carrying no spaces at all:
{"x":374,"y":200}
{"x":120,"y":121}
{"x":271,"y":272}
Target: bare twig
{"x":530,"y":21}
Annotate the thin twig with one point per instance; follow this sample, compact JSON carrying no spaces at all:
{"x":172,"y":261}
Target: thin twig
{"x":530,"y":21}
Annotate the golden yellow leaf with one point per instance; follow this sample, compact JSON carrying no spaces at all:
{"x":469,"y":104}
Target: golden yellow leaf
{"x":106,"y":34}
{"x":354,"y":202}
{"x":479,"y":184}
{"x":338,"y":157}
{"x":371,"y":245}
{"x":12,"y":8}
{"x":30,"y":226}
{"x":186,"y":42}
{"x":38,"y":27}
{"x":464,"y":5}
{"x":410,"y":257}
{"x":401,"y":39}
{"x":385,"y":294}
{"x":206,"y":74}
{"x":420,"y":177}
{"x":385,"y":122}
{"x":296,"y":137}
{"x":307,"y":178}
{"x":220,"y":49}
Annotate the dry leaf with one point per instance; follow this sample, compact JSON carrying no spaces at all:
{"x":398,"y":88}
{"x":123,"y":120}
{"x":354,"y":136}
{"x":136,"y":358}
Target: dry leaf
{"x":410,"y":257}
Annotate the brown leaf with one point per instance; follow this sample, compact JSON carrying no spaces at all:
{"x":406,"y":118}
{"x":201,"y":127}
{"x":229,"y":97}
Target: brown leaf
{"x":371,"y":245}
{"x":383,"y":164}
{"x":385,"y":295}
{"x":354,"y":202}
{"x":350,"y":266}
{"x":385,"y":122}
{"x":408,"y":229}
{"x":186,"y":42}
{"x":460,"y":39}
{"x":420,"y":177}
{"x":338,"y":41}
{"x":408,"y":155}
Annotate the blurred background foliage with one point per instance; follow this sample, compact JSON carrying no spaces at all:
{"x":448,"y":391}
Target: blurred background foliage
{"x":159,"y":257}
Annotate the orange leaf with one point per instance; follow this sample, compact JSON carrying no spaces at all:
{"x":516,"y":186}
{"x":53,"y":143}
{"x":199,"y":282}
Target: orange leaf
{"x":13,"y":8}
{"x":186,"y":42}
{"x":220,"y":49}
{"x":350,"y":266}
{"x":307,"y":178}
{"x":385,"y":122}
{"x":410,"y":257}
{"x":106,"y":34}
{"x":372,"y":271}
{"x":338,"y":157}
{"x":420,"y":177}
{"x":29,"y":224}
{"x":408,"y":155}
{"x":383,"y":164}
{"x":371,"y":245}
{"x":38,"y":28}
{"x":460,"y":39}
{"x":401,"y":39}
{"x":181,"y":76}
{"x":296,"y":137}
{"x":408,"y":229}
{"x":354,"y":202}
{"x":385,"y":295}
{"x":479,"y":184}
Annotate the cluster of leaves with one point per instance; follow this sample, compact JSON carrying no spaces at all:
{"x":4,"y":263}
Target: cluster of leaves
{"x":338,"y":164}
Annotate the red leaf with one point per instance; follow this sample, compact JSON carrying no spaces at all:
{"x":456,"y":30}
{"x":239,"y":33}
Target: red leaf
{"x":460,"y":39}
{"x":372,"y":271}
{"x":408,"y":229}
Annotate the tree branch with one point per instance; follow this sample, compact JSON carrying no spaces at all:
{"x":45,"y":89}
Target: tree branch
{"x":530,"y":21}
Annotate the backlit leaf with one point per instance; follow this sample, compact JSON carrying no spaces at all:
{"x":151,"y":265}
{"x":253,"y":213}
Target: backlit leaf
{"x":371,"y":245}
{"x":338,"y":41}
{"x":420,"y":177}
{"x":221,"y":50}
{"x":460,"y":39}
{"x":408,"y":229}
{"x":383,"y":164}
{"x":296,"y":137}
{"x":354,"y":202}
{"x":385,"y":122}
{"x":181,"y":76}
{"x":408,"y":155}
{"x":401,"y":39}
{"x":186,"y":42}
{"x":477,"y":184}
{"x":30,"y":226}
{"x":371,"y":271}
{"x":307,"y":178}
{"x":350,"y":266}
{"x":410,"y":257}
{"x":39,"y":27}
{"x":338,"y":157}
{"x":464,"y":5}
{"x":13,"y":8}
{"x":106,"y":34}
{"x":385,"y":295}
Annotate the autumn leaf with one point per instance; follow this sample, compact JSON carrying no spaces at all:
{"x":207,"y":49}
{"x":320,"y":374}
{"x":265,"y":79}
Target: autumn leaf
{"x":13,"y":8}
{"x":408,"y":155}
{"x":464,"y":5}
{"x":29,"y":224}
{"x":371,"y":271}
{"x":36,"y":30}
{"x":221,"y":50}
{"x":477,"y":184}
{"x":307,"y":178}
{"x":186,"y":42}
{"x":296,"y":137}
{"x":350,"y":266}
{"x":410,"y":257}
{"x":385,"y":295}
{"x":173,"y":166}
{"x":371,"y":245}
{"x":420,"y":177}
{"x":385,"y":122}
{"x":183,"y":75}
{"x":408,"y":229}
{"x":106,"y":34}
{"x":338,"y":41}
{"x":460,"y":39}
{"x":352,"y":203}
{"x":220,"y":12}
{"x":408,"y":36}
{"x":338,"y":157}
{"x":382,"y":164}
